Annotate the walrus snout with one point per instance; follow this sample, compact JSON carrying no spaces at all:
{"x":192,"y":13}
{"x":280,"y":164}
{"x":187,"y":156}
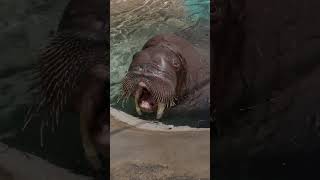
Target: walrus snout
{"x":156,"y":78}
{"x":151,"y":94}
{"x":144,"y":101}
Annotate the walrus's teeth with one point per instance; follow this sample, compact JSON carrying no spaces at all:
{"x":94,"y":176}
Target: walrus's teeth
{"x":161,"y":107}
{"x":138,"y":109}
{"x":136,"y":99}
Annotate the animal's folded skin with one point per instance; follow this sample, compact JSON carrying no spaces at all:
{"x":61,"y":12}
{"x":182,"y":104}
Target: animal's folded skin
{"x":73,"y":72}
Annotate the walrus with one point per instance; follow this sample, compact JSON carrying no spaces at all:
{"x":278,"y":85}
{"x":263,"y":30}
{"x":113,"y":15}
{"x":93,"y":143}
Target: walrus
{"x":168,"y":76}
{"x":73,"y":74}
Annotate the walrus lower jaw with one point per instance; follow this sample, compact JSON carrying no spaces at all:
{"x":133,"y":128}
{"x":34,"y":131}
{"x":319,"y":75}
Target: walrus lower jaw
{"x":160,"y":106}
{"x":160,"y":109}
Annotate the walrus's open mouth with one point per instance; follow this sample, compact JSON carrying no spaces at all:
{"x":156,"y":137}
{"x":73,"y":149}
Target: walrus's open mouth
{"x":145,"y":102}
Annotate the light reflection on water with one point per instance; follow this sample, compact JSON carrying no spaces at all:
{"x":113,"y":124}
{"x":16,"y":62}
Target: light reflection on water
{"x":134,"y":22}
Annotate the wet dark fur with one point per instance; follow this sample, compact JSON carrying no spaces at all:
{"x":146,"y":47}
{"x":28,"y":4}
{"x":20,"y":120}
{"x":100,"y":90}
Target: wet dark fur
{"x":72,"y":71}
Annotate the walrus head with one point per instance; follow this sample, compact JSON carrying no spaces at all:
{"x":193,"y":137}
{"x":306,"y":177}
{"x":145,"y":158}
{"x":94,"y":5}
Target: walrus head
{"x":155,"y":79}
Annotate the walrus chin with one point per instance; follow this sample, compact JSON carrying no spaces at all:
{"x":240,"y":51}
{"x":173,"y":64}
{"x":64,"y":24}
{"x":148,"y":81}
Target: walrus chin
{"x":145,"y":102}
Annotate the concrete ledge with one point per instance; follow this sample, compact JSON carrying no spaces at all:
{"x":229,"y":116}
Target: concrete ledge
{"x":149,"y":125}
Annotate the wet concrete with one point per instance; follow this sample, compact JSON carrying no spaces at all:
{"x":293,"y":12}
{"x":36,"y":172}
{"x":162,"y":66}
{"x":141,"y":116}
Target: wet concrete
{"x":158,"y":154}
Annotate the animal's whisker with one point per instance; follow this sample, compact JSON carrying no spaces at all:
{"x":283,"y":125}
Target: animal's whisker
{"x":29,"y":116}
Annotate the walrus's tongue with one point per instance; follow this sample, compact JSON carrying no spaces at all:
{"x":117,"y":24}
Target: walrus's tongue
{"x":145,"y":105}
{"x":145,"y":102}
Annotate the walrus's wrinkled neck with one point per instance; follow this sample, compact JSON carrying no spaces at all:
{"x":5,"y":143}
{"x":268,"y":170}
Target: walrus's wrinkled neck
{"x":197,"y":77}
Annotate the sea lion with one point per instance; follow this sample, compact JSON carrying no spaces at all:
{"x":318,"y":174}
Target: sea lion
{"x":168,"y":75}
{"x":72,"y":73}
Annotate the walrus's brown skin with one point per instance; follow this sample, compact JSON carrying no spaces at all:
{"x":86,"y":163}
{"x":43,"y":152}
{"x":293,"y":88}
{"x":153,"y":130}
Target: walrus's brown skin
{"x":190,"y":82}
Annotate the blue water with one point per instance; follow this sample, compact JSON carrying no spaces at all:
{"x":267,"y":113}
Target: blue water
{"x":197,"y":9}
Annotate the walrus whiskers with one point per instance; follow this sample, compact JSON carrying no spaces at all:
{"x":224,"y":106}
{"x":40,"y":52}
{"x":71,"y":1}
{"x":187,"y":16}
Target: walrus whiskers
{"x":162,"y":99}
{"x":29,"y":116}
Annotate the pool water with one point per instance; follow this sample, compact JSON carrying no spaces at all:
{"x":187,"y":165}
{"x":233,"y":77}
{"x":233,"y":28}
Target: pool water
{"x":133,"y":24}
{"x":197,"y":9}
